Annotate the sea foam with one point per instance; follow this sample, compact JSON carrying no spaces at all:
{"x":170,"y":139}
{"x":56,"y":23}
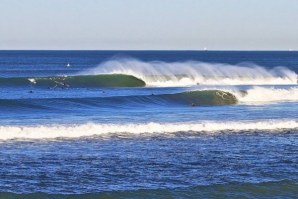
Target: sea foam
{"x":149,"y":129}
{"x":259,"y":94}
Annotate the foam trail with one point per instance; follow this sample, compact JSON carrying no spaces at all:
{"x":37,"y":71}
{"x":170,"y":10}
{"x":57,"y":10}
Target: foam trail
{"x":90,"y":129}
{"x":191,"y":73}
{"x":263,"y":95}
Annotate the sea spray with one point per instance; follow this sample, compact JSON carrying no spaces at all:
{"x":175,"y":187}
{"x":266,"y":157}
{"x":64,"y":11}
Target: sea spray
{"x":189,"y":73}
{"x":259,"y":94}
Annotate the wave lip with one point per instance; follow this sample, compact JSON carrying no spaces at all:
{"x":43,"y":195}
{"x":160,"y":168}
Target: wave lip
{"x":102,"y":80}
{"x":91,"y":129}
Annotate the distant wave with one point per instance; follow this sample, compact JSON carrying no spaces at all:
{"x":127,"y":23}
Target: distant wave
{"x":189,"y":73}
{"x":103,"y":80}
{"x":91,"y":129}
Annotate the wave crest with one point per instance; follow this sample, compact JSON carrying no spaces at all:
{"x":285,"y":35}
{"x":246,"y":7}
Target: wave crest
{"x":189,"y":73}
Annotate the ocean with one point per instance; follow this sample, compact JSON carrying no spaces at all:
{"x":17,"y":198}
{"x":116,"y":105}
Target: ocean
{"x":148,"y":124}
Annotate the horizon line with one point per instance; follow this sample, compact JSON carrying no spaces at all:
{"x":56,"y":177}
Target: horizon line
{"x":203,"y":50}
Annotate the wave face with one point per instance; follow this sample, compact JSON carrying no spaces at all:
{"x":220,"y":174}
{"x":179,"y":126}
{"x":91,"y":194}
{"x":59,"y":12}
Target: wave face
{"x":103,"y":80}
{"x":83,"y":130}
{"x":189,"y":73}
{"x":206,"y":97}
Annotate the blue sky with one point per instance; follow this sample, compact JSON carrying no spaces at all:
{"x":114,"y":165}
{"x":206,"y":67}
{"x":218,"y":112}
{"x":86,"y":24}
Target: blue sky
{"x":149,"y":24}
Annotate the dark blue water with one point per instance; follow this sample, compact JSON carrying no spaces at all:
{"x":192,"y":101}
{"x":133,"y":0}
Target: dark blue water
{"x":31,"y":63}
{"x":148,"y":124}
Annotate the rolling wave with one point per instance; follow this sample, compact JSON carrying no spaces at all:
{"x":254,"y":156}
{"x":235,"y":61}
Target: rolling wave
{"x":103,"y":80}
{"x":189,"y":98}
{"x":90,"y":129}
{"x":189,"y":73}
{"x":254,"y":95}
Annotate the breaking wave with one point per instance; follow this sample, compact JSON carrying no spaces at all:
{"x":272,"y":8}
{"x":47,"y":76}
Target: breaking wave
{"x":135,"y":73}
{"x":189,"y":73}
{"x":254,"y":95}
{"x":91,"y":129}
{"x":263,"y":95}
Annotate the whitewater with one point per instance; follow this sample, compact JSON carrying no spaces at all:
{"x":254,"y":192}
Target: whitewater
{"x":148,"y":129}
